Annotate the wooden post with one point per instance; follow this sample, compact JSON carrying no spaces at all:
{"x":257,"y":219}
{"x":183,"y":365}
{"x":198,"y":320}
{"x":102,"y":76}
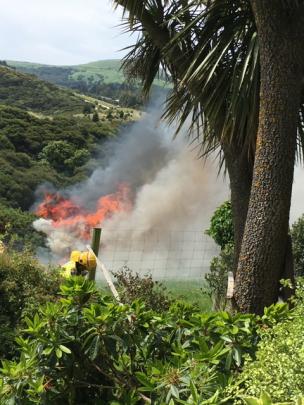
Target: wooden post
{"x":95,"y":247}
{"x":107,"y":275}
{"x":230,"y":286}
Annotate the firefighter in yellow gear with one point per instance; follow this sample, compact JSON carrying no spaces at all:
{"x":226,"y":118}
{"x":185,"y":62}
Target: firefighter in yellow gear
{"x":80,"y":264}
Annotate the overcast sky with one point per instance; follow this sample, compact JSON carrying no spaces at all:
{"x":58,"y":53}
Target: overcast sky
{"x":60,"y":31}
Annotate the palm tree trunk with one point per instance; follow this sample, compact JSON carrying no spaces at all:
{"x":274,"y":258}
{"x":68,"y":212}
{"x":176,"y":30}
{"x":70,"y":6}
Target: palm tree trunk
{"x":264,"y":243}
{"x":240,"y":168}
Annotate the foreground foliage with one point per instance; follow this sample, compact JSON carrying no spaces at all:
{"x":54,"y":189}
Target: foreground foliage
{"x":88,"y":349}
{"x":24,"y":284}
{"x":133,"y":286}
{"x":279,"y":365}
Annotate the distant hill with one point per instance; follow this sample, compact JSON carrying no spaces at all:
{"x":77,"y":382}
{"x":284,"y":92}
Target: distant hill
{"x":108,"y":69}
{"x":101,"y":79}
{"x":38,"y":150}
{"x":48,"y":134}
{"x":35,"y":150}
{"x":30,"y":93}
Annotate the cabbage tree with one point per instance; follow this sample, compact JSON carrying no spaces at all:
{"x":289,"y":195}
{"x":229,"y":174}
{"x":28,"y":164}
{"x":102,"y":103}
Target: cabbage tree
{"x":221,"y":69}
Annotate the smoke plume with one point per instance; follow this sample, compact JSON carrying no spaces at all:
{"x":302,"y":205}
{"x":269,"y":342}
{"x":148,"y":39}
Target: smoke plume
{"x":173,"y":193}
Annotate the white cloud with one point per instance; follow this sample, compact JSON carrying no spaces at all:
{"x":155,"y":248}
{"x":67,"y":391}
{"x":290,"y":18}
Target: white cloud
{"x":60,"y":31}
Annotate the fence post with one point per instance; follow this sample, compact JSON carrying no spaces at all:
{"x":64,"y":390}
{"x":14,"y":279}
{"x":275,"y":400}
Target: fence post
{"x":95,"y":247}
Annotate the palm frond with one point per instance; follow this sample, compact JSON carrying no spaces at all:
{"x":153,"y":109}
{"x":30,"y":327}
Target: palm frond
{"x":212,"y":56}
{"x":143,"y":62}
{"x":223,"y":76}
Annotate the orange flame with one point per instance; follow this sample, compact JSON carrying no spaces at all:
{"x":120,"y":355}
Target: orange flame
{"x":66,"y":213}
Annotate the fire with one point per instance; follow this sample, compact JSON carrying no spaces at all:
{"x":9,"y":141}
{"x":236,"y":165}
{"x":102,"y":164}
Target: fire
{"x":68,"y":214}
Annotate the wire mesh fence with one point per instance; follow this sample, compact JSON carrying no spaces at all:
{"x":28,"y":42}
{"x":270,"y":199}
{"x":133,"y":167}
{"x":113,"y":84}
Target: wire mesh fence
{"x":178,"y":254}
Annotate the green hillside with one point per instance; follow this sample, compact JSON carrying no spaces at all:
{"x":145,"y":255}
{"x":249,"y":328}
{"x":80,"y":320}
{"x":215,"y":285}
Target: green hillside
{"x":30,"y":93}
{"x":58,"y":150}
{"x":108,"y":69}
{"x":35,"y":150}
{"x":101,"y":79}
{"x":47,"y":134}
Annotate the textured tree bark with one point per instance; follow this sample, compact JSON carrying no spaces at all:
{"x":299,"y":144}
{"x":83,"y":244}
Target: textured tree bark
{"x":264,"y":243}
{"x":240,"y":168}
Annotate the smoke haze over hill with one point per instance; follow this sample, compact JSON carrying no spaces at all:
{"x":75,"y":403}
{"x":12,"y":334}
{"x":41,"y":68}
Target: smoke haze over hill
{"x":171,"y":189}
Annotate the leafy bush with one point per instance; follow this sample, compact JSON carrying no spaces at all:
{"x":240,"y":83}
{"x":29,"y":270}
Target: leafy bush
{"x":16,"y":228}
{"x":221,"y":225}
{"x":217,"y":278}
{"x":38,"y":150}
{"x":24,"y":284}
{"x":63,"y":157}
{"x":279,"y":365}
{"x":265,"y":399}
{"x":56,"y":152}
{"x":133,"y":286}
{"x":297,"y":236}
{"x":221,"y":230}
{"x":88,"y":349}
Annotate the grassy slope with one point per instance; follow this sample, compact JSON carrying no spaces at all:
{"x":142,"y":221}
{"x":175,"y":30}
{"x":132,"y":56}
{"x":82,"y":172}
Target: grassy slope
{"x":28,"y":92}
{"x":49,"y":115}
{"x":31,"y":119}
{"x":109,"y":69}
{"x":44,"y":99}
{"x":23,"y":137}
{"x":191,"y":291}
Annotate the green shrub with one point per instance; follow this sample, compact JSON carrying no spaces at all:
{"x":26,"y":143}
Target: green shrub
{"x":221,"y":225}
{"x":56,"y":153}
{"x":217,"y":278}
{"x":62,"y":156}
{"x":24,"y":284}
{"x":132,"y":286}
{"x":265,"y":399}
{"x":95,"y":117}
{"x":16,"y":228}
{"x":279,"y":365}
{"x":221,"y":230}
{"x":297,"y":236}
{"x":87,"y":349}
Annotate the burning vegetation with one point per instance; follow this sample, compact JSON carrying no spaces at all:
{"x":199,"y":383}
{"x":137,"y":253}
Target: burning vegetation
{"x":72,"y":216}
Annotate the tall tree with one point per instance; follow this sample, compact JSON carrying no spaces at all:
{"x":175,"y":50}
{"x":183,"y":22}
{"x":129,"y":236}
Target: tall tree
{"x":212,"y":55}
{"x":267,"y":249}
{"x":182,"y":39}
{"x":280,"y":28}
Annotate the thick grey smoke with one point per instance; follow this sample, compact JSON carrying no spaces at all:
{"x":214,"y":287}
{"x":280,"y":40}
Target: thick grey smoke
{"x":174,"y":195}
